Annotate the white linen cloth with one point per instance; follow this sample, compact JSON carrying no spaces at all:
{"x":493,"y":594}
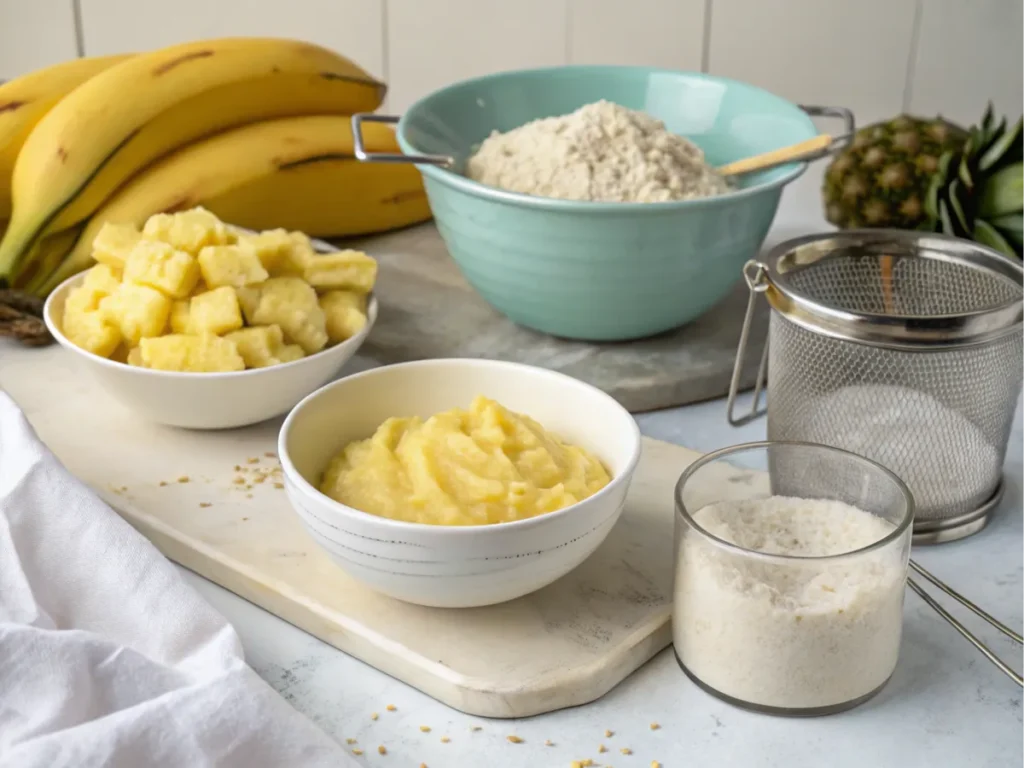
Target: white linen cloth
{"x":107,"y":657}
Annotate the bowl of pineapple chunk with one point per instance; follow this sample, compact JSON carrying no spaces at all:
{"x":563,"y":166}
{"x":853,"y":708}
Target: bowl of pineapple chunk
{"x":193,"y":323}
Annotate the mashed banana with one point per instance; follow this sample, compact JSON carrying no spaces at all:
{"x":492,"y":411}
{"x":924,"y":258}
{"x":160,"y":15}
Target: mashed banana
{"x":463,"y":467}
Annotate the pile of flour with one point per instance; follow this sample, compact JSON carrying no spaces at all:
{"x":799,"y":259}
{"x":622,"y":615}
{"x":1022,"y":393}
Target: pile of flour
{"x":946,"y":461}
{"x":794,"y":634}
{"x":601,"y":152}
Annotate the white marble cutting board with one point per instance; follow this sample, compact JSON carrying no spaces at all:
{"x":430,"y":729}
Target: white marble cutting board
{"x":565,"y":645}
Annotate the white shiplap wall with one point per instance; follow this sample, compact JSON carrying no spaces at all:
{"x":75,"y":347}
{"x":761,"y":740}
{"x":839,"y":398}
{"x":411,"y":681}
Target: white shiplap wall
{"x":876,"y":56}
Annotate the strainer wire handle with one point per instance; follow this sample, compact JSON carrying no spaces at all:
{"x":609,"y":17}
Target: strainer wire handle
{"x":756,"y":275}
{"x":967,"y":634}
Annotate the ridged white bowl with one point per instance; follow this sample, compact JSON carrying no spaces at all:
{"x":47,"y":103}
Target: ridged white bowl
{"x":460,"y":566}
{"x":207,"y":400}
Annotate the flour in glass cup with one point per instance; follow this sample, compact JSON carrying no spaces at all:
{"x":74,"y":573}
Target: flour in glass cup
{"x":602,"y":152}
{"x":795,"y":633}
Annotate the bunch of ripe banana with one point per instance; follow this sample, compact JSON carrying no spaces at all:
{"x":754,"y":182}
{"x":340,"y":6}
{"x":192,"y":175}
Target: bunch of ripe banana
{"x":257,"y":130}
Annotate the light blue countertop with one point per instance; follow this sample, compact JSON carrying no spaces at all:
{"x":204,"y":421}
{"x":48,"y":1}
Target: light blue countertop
{"x":946,"y":706}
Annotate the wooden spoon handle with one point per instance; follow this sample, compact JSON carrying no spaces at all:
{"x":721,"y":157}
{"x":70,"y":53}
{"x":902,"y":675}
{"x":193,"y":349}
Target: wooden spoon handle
{"x":779,"y":156}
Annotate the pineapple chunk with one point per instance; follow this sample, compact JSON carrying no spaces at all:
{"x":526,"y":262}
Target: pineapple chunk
{"x":100,"y":281}
{"x":138,"y":310}
{"x":205,"y":353}
{"x":91,"y":332}
{"x":135,"y":358}
{"x":103,"y":278}
{"x":271,"y":247}
{"x":113,"y":242}
{"x":215,"y":311}
{"x":213,"y":354}
{"x":291,"y":303}
{"x":350,"y":270}
{"x":162,"y":267}
{"x":290,"y":353}
{"x":165,"y":353}
{"x":258,"y":346}
{"x":83,"y":299}
{"x":296,"y":252}
{"x":234,"y":265}
{"x":249,"y":299}
{"x":345,"y":312}
{"x":180,"y":317}
{"x":120,"y":355}
{"x":188,"y":231}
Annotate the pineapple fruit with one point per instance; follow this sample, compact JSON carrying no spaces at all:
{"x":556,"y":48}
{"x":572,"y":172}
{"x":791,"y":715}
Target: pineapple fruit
{"x":188,"y":294}
{"x":881,"y":179}
{"x":912,"y":173}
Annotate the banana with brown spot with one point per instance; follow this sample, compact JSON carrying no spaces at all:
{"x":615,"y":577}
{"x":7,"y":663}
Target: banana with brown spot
{"x":24,"y":101}
{"x":259,"y":177}
{"x":124,"y":118}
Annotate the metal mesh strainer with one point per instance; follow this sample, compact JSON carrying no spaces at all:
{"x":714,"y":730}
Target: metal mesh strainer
{"x":902,"y":347}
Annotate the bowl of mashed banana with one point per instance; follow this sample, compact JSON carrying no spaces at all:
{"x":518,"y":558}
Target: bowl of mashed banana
{"x":458,"y":483}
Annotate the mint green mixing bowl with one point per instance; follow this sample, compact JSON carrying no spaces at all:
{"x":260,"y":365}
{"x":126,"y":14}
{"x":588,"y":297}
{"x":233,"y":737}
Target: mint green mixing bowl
{"x":589,"y":270}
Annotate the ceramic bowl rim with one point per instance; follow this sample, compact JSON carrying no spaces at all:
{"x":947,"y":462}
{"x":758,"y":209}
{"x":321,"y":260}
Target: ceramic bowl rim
{"x":309,"y":490}
{"x":350,"y":345}
{"x":463,"y":183}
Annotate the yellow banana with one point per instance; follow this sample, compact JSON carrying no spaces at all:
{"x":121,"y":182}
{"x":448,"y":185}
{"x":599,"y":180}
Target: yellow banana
{"x":24,"y":101}
{"x":48,"y":253}
{"x":328,"y":197}
{"x":236,"y":160}
{"x":122,"y":119}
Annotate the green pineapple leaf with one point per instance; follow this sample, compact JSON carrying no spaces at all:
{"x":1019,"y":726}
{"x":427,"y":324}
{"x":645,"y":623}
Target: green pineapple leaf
{"x":931,"y":200}
{"x":1009,"y":143}
{"x":961,"y":223}
{"x":964,"y":167}
{"x":1004,"y":192}
{"x":986,"y":234}
{"x":986,"y":121}
{"x":1011,"y":225}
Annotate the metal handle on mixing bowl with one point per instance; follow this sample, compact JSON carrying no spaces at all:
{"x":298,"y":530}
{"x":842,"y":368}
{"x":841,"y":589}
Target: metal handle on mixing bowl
{"x":756,"y":275}
{"x":389,"y":157}
{"x":839,"y":141}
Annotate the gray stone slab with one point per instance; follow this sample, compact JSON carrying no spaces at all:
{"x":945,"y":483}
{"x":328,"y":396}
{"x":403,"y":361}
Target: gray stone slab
{"x":427,"y":310}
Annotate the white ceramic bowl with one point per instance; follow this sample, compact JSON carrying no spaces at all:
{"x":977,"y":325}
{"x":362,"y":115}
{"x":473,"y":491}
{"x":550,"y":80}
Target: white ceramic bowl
{"x":207,"y":400}
{"x":456,"y":566}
